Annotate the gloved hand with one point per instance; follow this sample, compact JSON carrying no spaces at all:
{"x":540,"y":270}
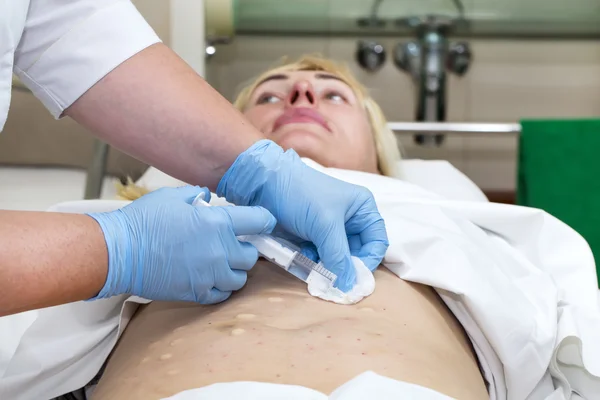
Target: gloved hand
{"x":310,"y":205}
{"x":160,"y":247}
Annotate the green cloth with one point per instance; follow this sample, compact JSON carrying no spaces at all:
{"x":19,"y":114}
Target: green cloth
{"x":559,"y":172}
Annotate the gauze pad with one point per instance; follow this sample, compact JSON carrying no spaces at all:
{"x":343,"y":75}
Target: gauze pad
{"x":364,"y":286}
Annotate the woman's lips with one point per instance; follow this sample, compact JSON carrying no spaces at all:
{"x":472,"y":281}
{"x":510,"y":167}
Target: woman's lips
{"x":299,"y":116}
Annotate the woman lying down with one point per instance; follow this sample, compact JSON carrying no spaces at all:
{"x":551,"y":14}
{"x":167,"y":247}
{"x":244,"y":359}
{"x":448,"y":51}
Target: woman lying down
{"x":273,"y":330}
{"x":490,"y":302}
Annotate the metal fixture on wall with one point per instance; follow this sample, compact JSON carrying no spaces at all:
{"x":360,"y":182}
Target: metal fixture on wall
{"x":427,"y":60}
{"x":212,"y":43}
{"x":370,"y":55}
{"x":210,"y":51}
{"x":220,"y":24}
{"x":373,"y":21}
{"x":459,"y":58}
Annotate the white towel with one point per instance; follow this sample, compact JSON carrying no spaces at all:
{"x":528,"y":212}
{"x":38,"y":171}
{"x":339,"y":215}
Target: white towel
{"x":367,"y":385}
{"x":521,"y":283}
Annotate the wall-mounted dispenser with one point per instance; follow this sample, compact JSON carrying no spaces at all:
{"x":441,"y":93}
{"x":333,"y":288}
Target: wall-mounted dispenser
{"x":220,"y":24}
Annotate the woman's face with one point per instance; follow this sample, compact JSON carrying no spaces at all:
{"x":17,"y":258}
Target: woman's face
{"x":316,"y":114}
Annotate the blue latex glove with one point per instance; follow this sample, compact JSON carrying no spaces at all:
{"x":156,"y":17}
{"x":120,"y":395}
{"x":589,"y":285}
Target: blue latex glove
{"x":160,"y":247}
{"x":310,"y":205}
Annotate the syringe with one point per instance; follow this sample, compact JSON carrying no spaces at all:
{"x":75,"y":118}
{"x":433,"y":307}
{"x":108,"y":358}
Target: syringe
{"x":290,"y":260}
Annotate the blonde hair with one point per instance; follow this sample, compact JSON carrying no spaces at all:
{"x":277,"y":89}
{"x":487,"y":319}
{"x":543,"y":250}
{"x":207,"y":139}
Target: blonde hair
{"x":386,"y":145}
{"x":130,"y":191}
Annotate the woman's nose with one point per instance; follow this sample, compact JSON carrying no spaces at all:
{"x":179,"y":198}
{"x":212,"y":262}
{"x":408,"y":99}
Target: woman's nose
{"x":302,"y":94}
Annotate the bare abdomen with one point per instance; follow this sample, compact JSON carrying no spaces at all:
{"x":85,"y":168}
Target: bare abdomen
{"x":274,"y":331}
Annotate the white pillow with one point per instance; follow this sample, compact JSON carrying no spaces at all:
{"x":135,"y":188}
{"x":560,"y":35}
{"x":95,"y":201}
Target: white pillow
{"x":438,"y":176}
{"x":441,"y":177}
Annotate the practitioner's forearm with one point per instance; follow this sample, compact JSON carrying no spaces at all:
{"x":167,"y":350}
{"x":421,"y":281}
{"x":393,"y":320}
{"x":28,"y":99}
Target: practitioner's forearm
{"x":156,"y":108}
{"x":48,"y":259}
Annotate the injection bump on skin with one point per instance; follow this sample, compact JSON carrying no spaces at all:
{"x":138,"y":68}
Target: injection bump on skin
{"x":154,"y":345}
{"x":166,"y":356}
{"x":245,"y":316}
{"x":176,"y":342}
{"x":275,"y":299}
{"x":238,"y":331}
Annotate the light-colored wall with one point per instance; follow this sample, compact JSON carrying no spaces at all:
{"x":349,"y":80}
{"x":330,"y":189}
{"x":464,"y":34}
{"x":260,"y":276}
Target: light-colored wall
{"x":507,"y":81}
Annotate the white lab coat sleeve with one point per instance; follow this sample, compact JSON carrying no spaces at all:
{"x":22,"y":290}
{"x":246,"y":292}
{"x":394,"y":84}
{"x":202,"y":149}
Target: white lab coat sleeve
{"x":68,"y":46}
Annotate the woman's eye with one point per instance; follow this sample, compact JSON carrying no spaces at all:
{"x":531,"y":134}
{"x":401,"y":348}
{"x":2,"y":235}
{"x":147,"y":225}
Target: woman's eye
{"x":268,"y":99}
{"x":336,"y":97}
